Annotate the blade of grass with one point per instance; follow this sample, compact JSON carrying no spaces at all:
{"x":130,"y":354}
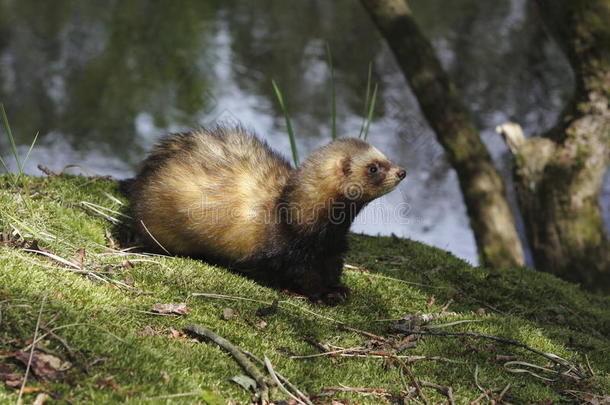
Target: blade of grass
{"x":9,"y":135}
{"x":333,"y":106}
{"x":293,"y":143}
{"x":370,"y":114}
{"x":27,"y":155}
{"x":366,"y":99}
{"x":4,"y":165}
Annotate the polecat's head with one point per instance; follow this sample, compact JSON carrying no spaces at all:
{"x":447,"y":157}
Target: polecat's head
{"x":359,"y":171}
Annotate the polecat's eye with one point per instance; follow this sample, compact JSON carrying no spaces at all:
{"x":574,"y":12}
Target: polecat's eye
{"x":372,"y":169}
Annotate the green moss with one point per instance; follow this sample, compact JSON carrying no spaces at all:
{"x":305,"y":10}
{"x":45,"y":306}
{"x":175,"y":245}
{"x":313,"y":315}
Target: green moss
{"x":111,"y":337}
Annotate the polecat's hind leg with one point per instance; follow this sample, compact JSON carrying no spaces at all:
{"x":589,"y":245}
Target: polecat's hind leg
{"x":335,"y":292}
{"x":312,"y":285}
{"x":336,"y":295}
{"x":320,"y":282}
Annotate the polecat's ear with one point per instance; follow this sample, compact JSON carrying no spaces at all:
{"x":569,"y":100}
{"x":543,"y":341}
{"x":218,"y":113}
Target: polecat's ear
{"x":345,"y":166}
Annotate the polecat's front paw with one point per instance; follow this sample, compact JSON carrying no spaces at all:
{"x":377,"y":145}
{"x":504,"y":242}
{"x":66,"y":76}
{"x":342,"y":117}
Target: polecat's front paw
{"x":335,"y":295}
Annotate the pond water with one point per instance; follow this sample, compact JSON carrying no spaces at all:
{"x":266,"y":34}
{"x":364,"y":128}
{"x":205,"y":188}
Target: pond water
{"x":102,"y":81}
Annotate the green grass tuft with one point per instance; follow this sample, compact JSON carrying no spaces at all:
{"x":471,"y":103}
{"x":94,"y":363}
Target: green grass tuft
{"x":11,"y":139}
{"x":20,"y":163}
{"x":369,"y":105}
{"x":371,"y":110}
{"x":291,"y":135}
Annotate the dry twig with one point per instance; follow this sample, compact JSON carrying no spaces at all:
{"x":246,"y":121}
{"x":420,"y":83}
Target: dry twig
{"x":420,"y":392}
{"x":278,"y":382}
{"x":485,"y":394}
{"x":550,"y":356}
{"x":447,"y":391}
{"x":27,"y":369}
{"x":376,"y":391}
{"x":363,"y":332}
{"x":302,"y":396}
{"x":238,"y":354}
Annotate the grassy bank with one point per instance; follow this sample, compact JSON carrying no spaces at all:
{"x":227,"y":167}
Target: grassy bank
{"x":93,"y":305}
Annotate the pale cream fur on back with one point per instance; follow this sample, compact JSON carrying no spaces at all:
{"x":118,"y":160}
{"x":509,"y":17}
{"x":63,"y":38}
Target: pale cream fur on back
{"x":218,"y":194}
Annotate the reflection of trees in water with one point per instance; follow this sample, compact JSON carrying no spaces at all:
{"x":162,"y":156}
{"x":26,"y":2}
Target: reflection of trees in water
{"x":500,"y":57}
{"x":88,"y":70}
{"x":287,"y":41}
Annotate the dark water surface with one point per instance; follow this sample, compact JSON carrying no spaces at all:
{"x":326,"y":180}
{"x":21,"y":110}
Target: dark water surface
{"x":102,"y":81}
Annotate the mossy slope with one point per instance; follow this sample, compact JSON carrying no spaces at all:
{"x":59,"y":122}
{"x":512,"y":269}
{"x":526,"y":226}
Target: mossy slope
{"x":122,"y":353}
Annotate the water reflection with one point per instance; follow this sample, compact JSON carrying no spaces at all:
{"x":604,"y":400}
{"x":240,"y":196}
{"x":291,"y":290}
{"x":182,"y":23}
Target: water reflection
{"x":101,"y":81}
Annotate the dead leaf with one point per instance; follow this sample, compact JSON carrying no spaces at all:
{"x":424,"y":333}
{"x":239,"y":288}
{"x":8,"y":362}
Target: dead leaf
{"x":417,"y":320}
{"x":40,"y":399}
{"x":430,"y":301}
{"x":11,"y":379}
{"x":30,"y":390}
{"x":596,"y":400}
{"x":44,"y":365}
{"x":179,"y":308}
{"x":175,"y":333}
{"x":148,"y":331}
{"x":408,"y":342}
{"x":257,"y":324}
{"x":245,"y":381}
{"x":81,"y":256}
{"x":109,"y":383}
{"x":505,"y":358}
{"x":271,"y":309}
{"x":127,"y":264}
{"x":178,"y":334}
{"x":59,"y":295}
{"x":165,"y":377}
{"x":228,"y":313}
{"x":374,"y":344}
{"x":111,"y":243}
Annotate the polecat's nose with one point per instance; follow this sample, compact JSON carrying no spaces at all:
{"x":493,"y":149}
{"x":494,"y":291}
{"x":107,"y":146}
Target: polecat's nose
{"x":402,"y":173}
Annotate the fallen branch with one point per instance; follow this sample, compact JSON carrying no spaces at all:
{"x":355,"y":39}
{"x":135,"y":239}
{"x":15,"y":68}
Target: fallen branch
{"x":420,"y":392}
{"x":370,"y":354}
{"x":61,"y":340}
{"x":363,"y":332}
{"x":27,"y":369}
{"x":238,"y":354}
{"x":476,"y":381}
{"x":47,"y":171}
{"x":278,"y":382}
{"x":504,"y":391}
{"x":485,"y":394}
{"x":550,"y":356}
{"x":302,"y":396}
{"x":377,"y":391}
{"x":329,"y":353}
{"x":447,"y":391}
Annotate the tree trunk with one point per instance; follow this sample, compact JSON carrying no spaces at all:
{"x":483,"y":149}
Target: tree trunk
{"x":558,"y":176}
{"x":482,"y":187}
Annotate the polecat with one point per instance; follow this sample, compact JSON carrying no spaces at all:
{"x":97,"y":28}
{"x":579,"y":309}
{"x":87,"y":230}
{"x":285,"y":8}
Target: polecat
{"x":223,"y":195}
